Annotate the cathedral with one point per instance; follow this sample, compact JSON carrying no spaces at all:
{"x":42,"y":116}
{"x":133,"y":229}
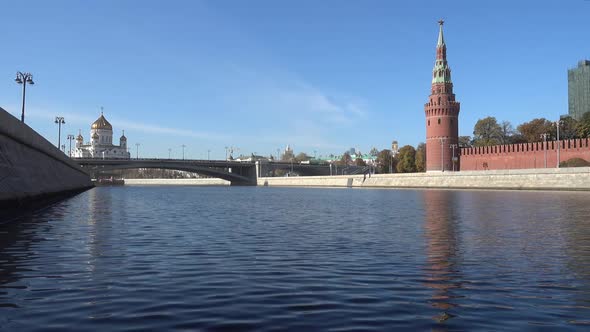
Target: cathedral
{"x":101,"y":143}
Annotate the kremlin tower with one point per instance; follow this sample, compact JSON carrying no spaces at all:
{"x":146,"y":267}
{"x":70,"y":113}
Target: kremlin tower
{"x":442,"y":115}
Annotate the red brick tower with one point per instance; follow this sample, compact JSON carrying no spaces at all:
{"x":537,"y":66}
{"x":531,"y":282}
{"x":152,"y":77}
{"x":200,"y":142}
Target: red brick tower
{"x":442,"y":115}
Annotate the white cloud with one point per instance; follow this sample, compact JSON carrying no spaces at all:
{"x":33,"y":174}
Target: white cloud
{"x":86,"y":120}
{"x":279,"y":90}
{"x":149,"y":128}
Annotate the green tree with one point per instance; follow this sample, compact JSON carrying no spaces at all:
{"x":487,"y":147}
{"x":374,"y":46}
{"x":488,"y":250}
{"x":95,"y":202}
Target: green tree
{"x":568,"y":128}
{"x":374,"y":152}
{"x":345,"y":160}
{"x":574,"y":162}
{"x":465,"y":141}
{"x":421,"y":158}
{"x":302,"y":157}
{"x":517,"y":138}
{"x":532,"y":130}
{"x":583,"y":127}
{"x":384,"y":161}
{"x":487,"y":132}
{"x":407,"y":159}
{"x":506,"y":132}
{"x":360,"y":162}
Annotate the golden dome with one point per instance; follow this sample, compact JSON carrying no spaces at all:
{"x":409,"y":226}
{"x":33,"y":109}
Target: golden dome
{"x":102,"y":123}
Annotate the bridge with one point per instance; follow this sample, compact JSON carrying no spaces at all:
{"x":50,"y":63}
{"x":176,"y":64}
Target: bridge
{"x":238,"y":173}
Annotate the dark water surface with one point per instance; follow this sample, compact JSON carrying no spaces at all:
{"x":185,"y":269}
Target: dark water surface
{"x":237,"y":259}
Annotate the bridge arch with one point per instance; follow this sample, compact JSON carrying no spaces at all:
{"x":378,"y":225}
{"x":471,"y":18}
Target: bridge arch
{"x":234,"y":178}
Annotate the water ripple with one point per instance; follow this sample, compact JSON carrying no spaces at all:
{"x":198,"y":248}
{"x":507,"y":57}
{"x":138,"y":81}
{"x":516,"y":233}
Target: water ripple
{"x":273,"y":259}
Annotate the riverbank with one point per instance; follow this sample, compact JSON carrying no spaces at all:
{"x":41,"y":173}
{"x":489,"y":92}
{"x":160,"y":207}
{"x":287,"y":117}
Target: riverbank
{"x":176,"y":182}
{"x":577,"y":179}
{"x":32,"y":168}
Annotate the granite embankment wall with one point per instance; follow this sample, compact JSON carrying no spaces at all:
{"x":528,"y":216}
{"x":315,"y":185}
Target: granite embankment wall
{"x":529,"y":179}
{"x":522,"y":156}
{"x":31,"y":167}
{"x":177,"y":182}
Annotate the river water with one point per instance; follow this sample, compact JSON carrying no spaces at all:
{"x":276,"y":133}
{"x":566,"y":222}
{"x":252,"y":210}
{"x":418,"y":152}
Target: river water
{"x":299,"y":259}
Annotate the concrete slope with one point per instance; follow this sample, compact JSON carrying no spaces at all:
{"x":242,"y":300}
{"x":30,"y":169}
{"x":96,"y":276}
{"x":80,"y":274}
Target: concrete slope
{"x":31,"y":167}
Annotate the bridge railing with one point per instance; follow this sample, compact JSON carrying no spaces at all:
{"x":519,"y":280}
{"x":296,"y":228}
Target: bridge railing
{"x":200,"y":161}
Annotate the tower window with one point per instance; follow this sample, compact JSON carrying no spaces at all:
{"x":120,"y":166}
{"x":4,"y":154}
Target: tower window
{"x":439,"y":121}
{"x":429,"y":122}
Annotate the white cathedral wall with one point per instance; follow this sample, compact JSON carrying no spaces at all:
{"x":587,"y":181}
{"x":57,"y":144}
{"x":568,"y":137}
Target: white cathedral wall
{"x":105,"y":136}
{"x":113,"y":152}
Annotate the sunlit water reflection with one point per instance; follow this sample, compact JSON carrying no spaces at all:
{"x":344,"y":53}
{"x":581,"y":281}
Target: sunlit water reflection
{"x":221,"y":259}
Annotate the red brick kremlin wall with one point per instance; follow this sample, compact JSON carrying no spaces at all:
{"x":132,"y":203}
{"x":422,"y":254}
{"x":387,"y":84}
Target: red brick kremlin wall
{"x":525,"y":155}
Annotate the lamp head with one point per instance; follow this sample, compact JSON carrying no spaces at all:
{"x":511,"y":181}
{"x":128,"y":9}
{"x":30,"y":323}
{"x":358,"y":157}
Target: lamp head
{"x":18,"y":80}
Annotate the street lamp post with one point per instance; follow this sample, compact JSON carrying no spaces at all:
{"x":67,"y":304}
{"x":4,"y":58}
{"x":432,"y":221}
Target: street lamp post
{"x":24,"y":79}
{"x":442,"y":154}
{"x":70,"y":138}
{"x":558,"y":124}
{"x":183,"y":146}
{"x":453,"y":146}
{"x":544,"y":137}
{"x":208,"y":153}
{"x":137,"y":150}
{"x":391,"y":162}
{"x":59,"y":120}
{"x":169,"y":153}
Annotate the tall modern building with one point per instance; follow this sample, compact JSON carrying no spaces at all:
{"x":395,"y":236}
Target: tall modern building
{"x":442,"y":114}
{"x":578,"y":87}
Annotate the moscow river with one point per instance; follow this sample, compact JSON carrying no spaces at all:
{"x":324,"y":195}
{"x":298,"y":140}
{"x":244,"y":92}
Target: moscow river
{"x":299,"y":259}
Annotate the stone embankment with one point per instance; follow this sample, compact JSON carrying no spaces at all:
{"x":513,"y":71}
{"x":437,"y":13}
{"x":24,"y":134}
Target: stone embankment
{"x":31,"y":168}
{"x":523,"y":179}
{"x":176,"y":182}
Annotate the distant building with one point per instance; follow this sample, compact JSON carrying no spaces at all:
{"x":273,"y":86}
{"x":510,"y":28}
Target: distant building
{"x":578,"y":87}
{"x":101,"y":143}
{"x":352,"y":151}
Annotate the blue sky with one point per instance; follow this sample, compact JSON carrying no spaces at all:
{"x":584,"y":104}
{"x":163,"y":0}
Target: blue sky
{"x":320,"y":75}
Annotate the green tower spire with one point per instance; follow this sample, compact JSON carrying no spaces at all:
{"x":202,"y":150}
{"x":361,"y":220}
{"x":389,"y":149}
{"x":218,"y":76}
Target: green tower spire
{"x":441,"y":38}
{"x":441,"y":72}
